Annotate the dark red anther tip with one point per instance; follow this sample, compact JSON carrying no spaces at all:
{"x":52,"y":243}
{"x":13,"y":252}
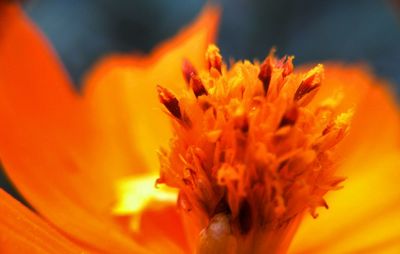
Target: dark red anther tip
{"x":287,"y":66}
{"x":305,"y":88}
{"x":265,"y":74}
{"x":310,"y":83}
{"x":170,"y":101}
{"x":198,"y":86}
{"x":188,"y":70}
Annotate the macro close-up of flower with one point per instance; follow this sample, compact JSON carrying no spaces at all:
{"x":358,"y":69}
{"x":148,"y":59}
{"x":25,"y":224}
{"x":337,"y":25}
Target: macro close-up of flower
{"x":186,"y":150}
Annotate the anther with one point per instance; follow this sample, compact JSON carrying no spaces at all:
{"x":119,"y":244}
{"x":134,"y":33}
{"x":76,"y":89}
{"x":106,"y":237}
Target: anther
{"x":265,"y":74}
{"x":288,"y":66}
{"x":214,"y":58}
{"x":311,"y":82}
{"x":266,"y":69}
{"x":197,"y":85}
{"x":170,"y":101}
{"x":188,"y":70}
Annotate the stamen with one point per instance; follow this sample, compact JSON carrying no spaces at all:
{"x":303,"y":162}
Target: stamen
{"x":310,"y":83}
{"x":287,"y":66}
{"x":266,"y":68}
{"x":214,"y":58}
{"x":170,"y":101}
{"x":283,"y":66}
{"x":197,"y":86}
{"x":188,"y":70}
{"x":249,"y":166}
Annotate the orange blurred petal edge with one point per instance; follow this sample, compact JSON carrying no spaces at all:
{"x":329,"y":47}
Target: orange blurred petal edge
{"x":45,"y":144}
{"x":22,"y":231}
{"x":28,"y":88}
{"x":50,"y":142}
{"x":121,"y":92}
{"x":121,"y":89}
{"x":364,"y":216}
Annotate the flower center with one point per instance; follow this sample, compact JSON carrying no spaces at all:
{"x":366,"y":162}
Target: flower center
{"x":251,"y":151}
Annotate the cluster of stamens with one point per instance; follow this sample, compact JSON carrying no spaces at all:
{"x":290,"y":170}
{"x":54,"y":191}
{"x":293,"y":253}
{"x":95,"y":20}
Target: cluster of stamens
{"x":251,"y":143}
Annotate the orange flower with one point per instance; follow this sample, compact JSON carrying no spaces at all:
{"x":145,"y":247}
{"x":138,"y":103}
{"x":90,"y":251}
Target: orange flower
{"x":254,"y":148}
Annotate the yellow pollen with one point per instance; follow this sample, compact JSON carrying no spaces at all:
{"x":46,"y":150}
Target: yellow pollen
{"x":249,"y":147}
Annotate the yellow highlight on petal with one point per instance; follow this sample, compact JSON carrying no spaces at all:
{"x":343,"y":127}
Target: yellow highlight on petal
{"x":344,"y":118}
{"x":139,"y":192}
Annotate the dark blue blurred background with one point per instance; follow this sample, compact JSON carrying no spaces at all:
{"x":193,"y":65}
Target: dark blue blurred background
{"x":313,"y":30}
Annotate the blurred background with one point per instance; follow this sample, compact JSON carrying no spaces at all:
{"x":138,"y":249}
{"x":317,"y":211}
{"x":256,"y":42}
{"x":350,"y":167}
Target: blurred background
{"x":313,"y":30}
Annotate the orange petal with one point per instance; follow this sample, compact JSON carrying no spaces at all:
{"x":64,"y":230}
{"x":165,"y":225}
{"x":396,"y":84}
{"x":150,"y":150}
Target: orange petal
{"x":21,"y":231}
{"x":47,"y":144}
{"x":151,"y":213}
{"x":162,"y":228}
{"x":122,"y":89}
{"x":364,"y":217}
